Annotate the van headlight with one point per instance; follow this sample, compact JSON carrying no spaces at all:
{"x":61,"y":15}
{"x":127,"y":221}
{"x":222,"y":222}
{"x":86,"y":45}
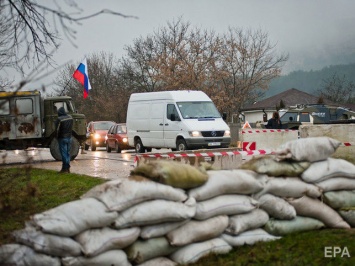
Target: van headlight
{"x":227,"y":133}
{"x":97,"y":136}
{"x":195,"y":133}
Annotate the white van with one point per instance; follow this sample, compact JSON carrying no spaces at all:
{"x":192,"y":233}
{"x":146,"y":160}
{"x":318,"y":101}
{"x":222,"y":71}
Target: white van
{"x":179,"y":120}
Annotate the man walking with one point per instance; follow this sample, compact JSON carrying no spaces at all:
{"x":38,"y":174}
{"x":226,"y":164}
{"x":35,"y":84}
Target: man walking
{"x":64,"y":126}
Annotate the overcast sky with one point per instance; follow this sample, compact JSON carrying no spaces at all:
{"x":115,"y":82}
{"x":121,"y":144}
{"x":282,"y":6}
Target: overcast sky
{"x":315,"y":33}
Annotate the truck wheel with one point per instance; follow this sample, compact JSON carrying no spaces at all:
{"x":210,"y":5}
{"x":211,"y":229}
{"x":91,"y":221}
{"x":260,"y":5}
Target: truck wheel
{"x":117,"y":148}
{"x":181,"y":145}
{"x":138,"y":145}
{"x":55,"y":152}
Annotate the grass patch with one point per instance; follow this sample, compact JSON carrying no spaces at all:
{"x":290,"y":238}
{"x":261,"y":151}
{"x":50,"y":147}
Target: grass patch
{"x":27,"y":191}
{"x":36,"y":190}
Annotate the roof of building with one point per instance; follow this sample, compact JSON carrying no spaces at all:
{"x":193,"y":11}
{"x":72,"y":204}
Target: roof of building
{"x":290,"y":97}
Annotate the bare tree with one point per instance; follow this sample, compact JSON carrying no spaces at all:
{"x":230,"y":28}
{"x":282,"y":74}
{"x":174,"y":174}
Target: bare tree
{"x":30,"y":37}
{"x":247,"y":63}
{"x":338,"y":89}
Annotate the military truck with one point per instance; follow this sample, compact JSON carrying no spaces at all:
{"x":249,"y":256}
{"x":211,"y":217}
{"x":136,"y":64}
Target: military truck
{"x":28,"y":120}
{"x":315,"y":114}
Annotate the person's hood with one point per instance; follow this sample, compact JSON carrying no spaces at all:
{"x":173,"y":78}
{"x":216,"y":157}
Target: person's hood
{"x":61,"y":111}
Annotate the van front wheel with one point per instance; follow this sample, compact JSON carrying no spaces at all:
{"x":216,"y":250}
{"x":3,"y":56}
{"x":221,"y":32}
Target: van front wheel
{"x":181,"y":145}
{"x":139,"y":146}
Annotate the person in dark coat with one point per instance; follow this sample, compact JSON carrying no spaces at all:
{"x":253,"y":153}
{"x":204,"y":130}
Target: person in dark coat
{"x":274,"y":122}
{"x":64,"y":127}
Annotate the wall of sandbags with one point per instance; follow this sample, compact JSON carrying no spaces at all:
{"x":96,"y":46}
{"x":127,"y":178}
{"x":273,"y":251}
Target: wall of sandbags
{"x":168,"y":213}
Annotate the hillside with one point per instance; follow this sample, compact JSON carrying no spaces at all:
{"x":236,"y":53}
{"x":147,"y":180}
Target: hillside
{"x":310,"y":81}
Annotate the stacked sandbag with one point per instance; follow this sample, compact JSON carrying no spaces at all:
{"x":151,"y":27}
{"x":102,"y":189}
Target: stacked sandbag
{"x":168,"y":213}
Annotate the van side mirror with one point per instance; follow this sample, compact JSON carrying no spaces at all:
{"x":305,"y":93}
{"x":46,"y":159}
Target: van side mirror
{"x":224,"y":116}
{"x":172,"y":117}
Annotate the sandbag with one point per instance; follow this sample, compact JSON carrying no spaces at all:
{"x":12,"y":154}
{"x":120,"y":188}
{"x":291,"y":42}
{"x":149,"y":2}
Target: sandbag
{"x":97,"y":241}
{"x":249,"y":237}
{"x":348,"y":216}
{"x":331,"y":167}
{"x":269,"y":165}
{"x":119,"y":195}
{"x":339,"y":199}
{"x":20,"y":255}
{"x":144,"y":250}
{"x":277,"y":207}
{"x":172,"y":173}
{"x":314,"y":208}
{"x":311,"y":149}
{"x":193,"y":252}
{"x":74,"y":217}
{"x":156,"y":230}
{"x":111,"y":257}
{"x":224,"y":205}
{"x":289,"y":187}
{"x":49,"y":244}
{"x":297,"y":225}
{"x":197,"y":231}
{"x":336,"y":183}
{"x":155,"y":212}
{"x":248,"y":221}
{"x":160,"y":261}
{"x":227,"y":182}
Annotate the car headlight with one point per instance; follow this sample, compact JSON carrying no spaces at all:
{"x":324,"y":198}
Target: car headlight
{"x":227,"y":133}
{"x":97,"y":136}
{"x":124,"y":140}
{"x":195,"y":133}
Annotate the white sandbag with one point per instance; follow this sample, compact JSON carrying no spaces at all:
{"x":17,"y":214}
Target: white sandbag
{"x":227,"y":182}
{"x":19,"y":255}
{"x":337,"y":183}
{"x":289,"y":187}
{"x":161,"y":261}
{"x":314,"y":208}
{"x":155,"y":212}
{"x":96,"y":241}
{"x":119,"y":195}
{"x":269,"y":165}
{"x":277,"y":207}
{"x":193,"y":252}
{"x":224,"y":205}
{"x":49,"y":244}
{"x":144,"y":250}
{"x":297,"y":225}
{"x":328,"y":168}
{"x":111,"y":257}
{"x":156,"y":230}
{"x":311,"y":149}
{"x":249,"y":237}
{"x":339,"y":199}
{"x":74,"y":217}
{"x":248,"y":221}
{"x":197,"y":231}
{"x":348,"y":216}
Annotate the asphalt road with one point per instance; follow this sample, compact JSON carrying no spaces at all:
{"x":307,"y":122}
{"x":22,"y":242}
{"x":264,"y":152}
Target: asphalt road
{"x":97,"y":163}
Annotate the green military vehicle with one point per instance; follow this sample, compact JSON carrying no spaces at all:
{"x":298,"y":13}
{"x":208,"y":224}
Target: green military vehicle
{"x":27,"y":120}
{"x":315,"y":114}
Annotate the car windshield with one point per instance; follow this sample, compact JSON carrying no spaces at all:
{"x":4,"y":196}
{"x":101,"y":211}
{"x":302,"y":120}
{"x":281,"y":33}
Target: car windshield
{"x":103,"y":125}
{"x":191,"y":110}
{"x":121,"y":129}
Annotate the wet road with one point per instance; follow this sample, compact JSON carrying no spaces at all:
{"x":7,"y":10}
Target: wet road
{"x":98,"y":163}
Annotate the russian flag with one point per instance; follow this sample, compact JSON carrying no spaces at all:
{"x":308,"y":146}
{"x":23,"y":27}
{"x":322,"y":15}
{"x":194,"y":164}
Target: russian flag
{"x":81,"y":75}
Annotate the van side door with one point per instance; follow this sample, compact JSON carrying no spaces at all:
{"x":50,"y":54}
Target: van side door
{"x":172,"y":125}
{"x":156,"y":125}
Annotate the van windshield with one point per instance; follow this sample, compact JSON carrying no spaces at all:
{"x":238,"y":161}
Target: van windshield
{"x":193,"y":110}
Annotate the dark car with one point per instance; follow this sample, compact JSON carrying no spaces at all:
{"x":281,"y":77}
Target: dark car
{"x":116,"y":138}
{"x":96,"y":133}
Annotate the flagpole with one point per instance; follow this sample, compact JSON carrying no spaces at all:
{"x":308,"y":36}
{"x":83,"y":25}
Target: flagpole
{"x":66,"y":86}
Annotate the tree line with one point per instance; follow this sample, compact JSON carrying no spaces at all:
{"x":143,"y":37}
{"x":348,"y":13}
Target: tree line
{"x":232,"y":68}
